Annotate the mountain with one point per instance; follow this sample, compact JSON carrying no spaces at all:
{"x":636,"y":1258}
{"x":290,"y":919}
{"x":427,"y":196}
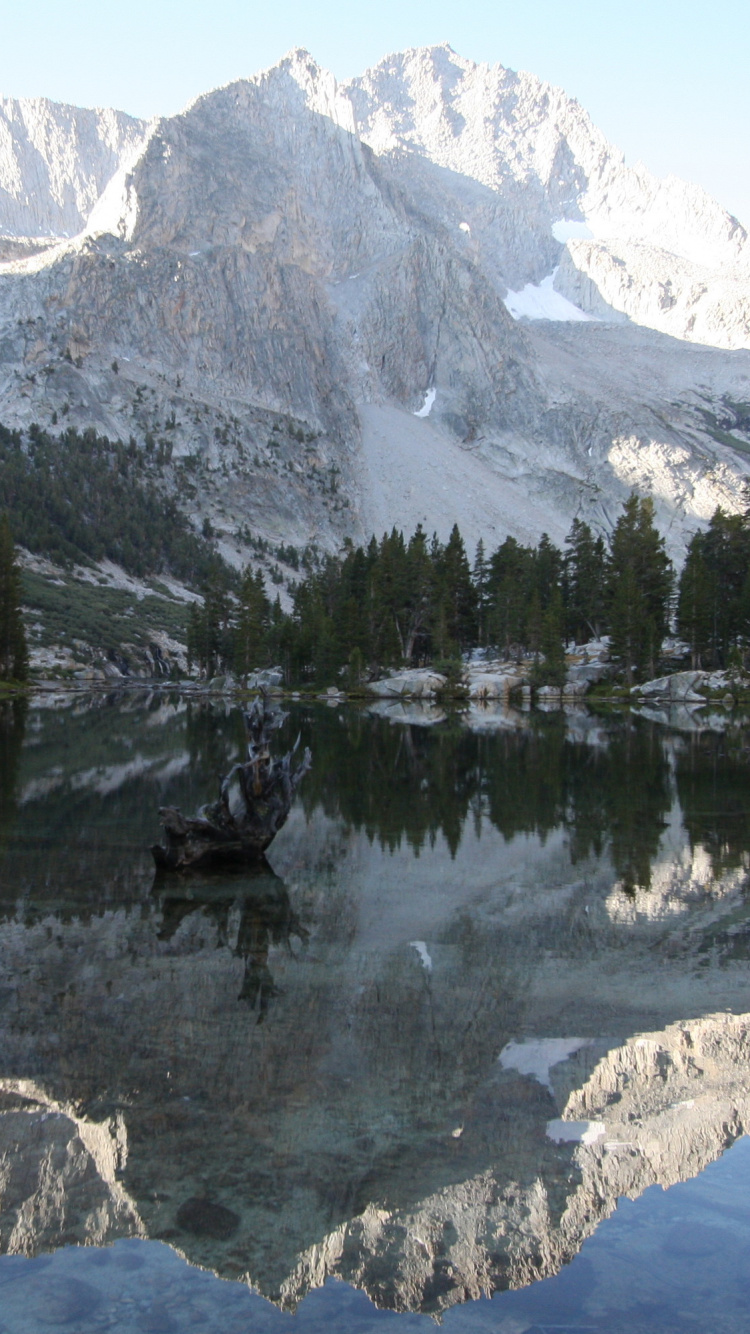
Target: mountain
{"x":55,"y":161}
{"x":434,"y":293}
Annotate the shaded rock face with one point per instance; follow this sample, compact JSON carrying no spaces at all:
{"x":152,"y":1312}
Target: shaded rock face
{"x":332,"y":260}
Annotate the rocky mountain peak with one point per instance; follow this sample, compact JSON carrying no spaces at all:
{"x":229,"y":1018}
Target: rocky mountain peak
{"x":437,"y":237}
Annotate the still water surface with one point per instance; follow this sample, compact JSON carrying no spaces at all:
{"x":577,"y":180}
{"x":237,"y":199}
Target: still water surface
{"x":475,"y":1042}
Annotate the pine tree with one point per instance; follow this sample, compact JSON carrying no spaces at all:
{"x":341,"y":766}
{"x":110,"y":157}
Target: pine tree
{"x":554,"y":666}
{"x":455,"y":598}
{"x":253,"y":617}
{"x":510,"y":590}
{"x":480,"y":576}
{"x":640,"y":587}
{"x":722,"y":556}
{"x":696,"y":602}
{"x":421,"y":586}
{"x":14,"y":661}
{"x":584,"y":582}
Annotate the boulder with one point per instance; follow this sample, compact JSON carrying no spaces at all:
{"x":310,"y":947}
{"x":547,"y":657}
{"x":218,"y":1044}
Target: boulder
{"x":492,"y":685}
{"x":580,"y":676}
{"x":682,"y":686}
{"x":267,"y":678}
{"x":421,"y":683}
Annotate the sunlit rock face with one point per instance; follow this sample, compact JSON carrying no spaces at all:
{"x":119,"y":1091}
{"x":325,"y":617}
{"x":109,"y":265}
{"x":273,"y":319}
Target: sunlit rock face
{"x":682,"y":262}
{"x":433,"y":294}
{"x":55,"y":162}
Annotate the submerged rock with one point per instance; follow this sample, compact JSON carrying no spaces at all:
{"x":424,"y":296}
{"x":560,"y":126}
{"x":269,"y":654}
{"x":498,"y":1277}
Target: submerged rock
{"x":206,"y":1218}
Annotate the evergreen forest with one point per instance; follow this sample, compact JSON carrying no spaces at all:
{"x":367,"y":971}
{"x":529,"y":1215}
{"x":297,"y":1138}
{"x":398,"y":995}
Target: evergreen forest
{"x":418,"y":601}
{"x":80,"y":498}
{"x":399,"y":601}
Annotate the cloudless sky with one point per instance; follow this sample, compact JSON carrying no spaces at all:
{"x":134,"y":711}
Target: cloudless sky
{"x":668,"y":81}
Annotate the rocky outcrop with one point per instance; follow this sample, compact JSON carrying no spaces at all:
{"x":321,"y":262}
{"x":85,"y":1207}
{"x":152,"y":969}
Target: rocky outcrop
{"x":60,"y":1174}
{"x":420,"y":683}
{"x":680,"y":687}
{"x":56,"y":161}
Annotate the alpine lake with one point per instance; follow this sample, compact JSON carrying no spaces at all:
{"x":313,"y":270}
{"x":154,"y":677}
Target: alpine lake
{"x":473,"y":1046}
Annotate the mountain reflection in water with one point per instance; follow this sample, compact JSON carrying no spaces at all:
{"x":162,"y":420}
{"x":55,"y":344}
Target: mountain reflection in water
{"x":577,"y":890}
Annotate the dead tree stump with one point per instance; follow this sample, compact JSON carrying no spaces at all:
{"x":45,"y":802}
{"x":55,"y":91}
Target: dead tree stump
{"x":255,"y":798}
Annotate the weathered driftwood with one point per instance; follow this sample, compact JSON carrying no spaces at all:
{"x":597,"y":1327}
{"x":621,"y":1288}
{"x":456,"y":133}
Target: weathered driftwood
{"x":254,"y":801}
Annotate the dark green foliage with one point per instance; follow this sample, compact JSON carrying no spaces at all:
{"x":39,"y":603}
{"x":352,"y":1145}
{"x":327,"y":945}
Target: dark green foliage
{"x":82,"y":498}
{"x":455,"y":602}
{"x":253,"y":619}
{"x":550,"y":671}
{"x":13,"y":652}
{"x":584,"y":582}
{"x":210,"y":639}
{"x":509,"y":591}
{"x":399,"y":603}
{"x":640,"y":579}
{"x":713,"y":606}
{"x":105,"y":617}
{"x":12,"y":727}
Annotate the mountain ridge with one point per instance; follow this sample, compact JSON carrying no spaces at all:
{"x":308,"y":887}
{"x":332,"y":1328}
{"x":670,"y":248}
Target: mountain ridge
{"x":365,"y":264}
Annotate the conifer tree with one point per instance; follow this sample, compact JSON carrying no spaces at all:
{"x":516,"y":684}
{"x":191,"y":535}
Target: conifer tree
{"x":455,"y":598}
{"x":713,"y":609}
{"x":14,"y":660}
{"x":420,"y":582}
{"x":209,"y":639}
{"x":509,"y":595}
{"x":480,"y":577}
{"x":554,"y":666}
{"x":584,"y":582}
{"x":548,"y":566}
{"x":640,"y":587}
{"x":253,"y":618}
{"x":696,"y":602}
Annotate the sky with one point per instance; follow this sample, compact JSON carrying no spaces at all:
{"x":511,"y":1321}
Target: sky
{"x":666,"y":80}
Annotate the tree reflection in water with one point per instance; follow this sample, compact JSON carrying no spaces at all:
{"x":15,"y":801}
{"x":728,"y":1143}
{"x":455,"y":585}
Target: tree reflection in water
{"x":249,"y":918}
{"x":12,"y":729}
{"x":410,"y":783}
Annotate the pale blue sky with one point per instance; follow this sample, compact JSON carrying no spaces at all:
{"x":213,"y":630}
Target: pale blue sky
{"x":666,"y":80}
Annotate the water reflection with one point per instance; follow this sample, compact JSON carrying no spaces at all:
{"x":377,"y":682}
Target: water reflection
{"x":12,"y":729}
{"x":249,"y":918}
{"x":409,"y":784}
{"x":572,"y":888}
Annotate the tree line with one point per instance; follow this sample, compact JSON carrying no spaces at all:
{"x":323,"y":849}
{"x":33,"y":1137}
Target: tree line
{"x":81,"y":497}
{"x":417,"y":601}
{"x":396,"y":602}
{"x":420,"y":601}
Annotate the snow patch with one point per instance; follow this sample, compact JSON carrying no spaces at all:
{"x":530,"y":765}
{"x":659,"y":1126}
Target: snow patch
{"x":541,"y":302}
{"x":575,"y":1132}
{"x":421,"y":948}
{"x":426,"y":407}
{"x":537,"y":1056}
{"x":567,"y":230}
